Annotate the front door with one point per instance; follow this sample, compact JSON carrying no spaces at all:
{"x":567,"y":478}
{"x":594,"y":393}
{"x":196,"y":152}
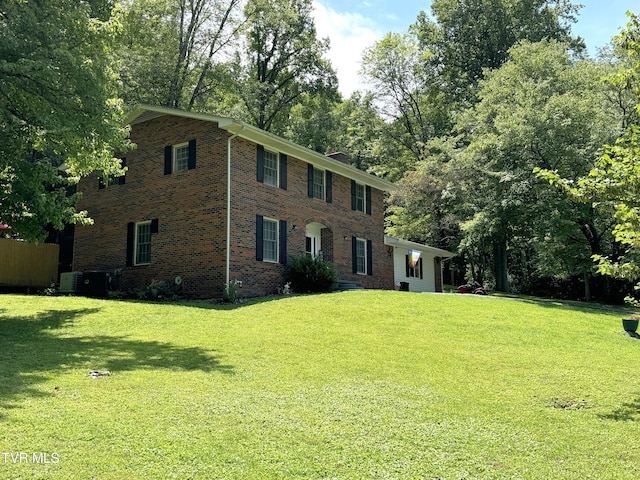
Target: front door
{"x":313,"y":240}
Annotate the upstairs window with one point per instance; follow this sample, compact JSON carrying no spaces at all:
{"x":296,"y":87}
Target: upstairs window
{"x":180,"y":157}
{"x":360,"y":197}
{"x":271,"y":168}
{"x":319,"y":184}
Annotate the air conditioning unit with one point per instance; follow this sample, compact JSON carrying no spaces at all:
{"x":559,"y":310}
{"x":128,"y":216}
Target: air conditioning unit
{"x":70,"y":282}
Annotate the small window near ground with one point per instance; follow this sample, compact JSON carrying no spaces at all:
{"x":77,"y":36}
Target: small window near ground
{"x":361,"y":256}
{"x":270,"y":240}
{"x":143,"y":243}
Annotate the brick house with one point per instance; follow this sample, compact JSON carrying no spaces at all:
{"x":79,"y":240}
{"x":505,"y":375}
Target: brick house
{"x":214,"y":200}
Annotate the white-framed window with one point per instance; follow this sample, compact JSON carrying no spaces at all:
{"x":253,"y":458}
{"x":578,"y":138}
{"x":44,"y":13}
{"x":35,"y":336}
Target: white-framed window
{"x":416,"y":270}
{"x":361,"y":197}
{"x":142,"y":243}
{"x":269,"y":240}
{"x":271,"y":168}
{"x":318,"y":184}
{"x":361,"y":256}
{"x":181,"y":157}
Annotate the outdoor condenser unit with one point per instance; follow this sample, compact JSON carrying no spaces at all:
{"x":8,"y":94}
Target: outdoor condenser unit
{"x":70,"y":282}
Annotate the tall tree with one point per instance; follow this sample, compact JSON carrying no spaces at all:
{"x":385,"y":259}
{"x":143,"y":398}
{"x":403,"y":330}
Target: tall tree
{"x":281,"y":61}
{"x":468,"y":37}
{"x":615,"y":178}
{"x":541,"y":109}
{"x":362,"y":134}
{"x":57,"y":106}
{"x":408,"y":91}
{"x":170,"y":49}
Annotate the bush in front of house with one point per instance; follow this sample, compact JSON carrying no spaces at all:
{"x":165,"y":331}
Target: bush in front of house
{"x":311,"y":275}
{"x":161,"y":291}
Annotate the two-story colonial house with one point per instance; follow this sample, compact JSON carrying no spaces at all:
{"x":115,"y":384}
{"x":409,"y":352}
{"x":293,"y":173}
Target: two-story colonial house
{"x":214,"y":200}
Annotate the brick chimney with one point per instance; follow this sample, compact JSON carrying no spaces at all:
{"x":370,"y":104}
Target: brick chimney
{"x":341,"y":157}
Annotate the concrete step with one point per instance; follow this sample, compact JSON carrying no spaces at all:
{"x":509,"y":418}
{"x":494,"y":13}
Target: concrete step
{"x":344,"y":285}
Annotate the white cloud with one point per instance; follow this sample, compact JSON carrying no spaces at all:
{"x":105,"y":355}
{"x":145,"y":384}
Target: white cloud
{"x":350,"y":34}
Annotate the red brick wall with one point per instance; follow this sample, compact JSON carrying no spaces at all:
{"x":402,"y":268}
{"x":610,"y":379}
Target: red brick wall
{"x":191,"y":209}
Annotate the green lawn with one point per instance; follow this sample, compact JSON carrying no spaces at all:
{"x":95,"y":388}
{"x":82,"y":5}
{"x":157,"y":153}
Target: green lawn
{"x":358,"y":385}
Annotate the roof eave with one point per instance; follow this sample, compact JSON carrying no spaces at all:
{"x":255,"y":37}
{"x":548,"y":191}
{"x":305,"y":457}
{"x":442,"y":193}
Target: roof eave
{"x":398,"y":242}
{"x":244,"y":130}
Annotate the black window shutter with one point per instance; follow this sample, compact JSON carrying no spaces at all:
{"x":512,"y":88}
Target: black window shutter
{"x":168,"y":154}
{"x":310,"y":180}
{"x":407,"y":265}
{"x":259,"y":238}
{"x":154,"y":225}
{"x":369,"y":257}
{"x":420,"y":262}
{"x":130,"y":241}
{"x":283,"y":171}
{"x":283,"y":241}
{"x":354,"y":254}
{"x":260,"y":163}
{"x":121,"y":180}
{"x":329,"y":181}
{"x":191,"y":163}
{"x":100,"y":183}
{"x":368,"y":198}
{"x":353,"y":195}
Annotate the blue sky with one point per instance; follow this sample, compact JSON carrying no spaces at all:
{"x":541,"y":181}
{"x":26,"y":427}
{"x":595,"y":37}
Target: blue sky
{"x":355,"y":25}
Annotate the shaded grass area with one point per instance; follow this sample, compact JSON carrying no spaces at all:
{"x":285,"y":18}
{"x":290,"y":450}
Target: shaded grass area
{"x":349,"y":385}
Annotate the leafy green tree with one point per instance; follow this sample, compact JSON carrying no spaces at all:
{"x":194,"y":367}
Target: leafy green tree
{"x":313,"y":122}
{"x":426,"y":207}
{"x":615,"y":178}
{"x":281,"y":61}
{"x":57,"y":106}
{"x":408,"y":91}
{"x":363,"y":135}
{"x":467,"y":38}
{"x":542,"y":109}
{"x":146,"y":52}
{"x":170,"y":51}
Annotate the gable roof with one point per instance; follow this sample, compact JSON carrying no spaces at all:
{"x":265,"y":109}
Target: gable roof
{"x":144,"y":113}
{"x":398,"y":242}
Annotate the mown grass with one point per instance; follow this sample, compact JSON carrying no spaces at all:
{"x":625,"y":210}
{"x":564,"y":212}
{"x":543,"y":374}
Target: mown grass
{"x":343,"y":386}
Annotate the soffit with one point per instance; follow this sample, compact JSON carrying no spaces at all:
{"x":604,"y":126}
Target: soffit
{"x":398,"y":242}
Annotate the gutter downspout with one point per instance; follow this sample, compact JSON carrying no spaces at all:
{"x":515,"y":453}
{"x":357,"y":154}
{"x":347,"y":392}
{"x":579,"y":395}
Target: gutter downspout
{"x":228,"y":253}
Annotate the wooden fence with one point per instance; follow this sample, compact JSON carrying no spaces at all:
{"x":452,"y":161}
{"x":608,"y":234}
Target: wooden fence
{"x":25,"y":264}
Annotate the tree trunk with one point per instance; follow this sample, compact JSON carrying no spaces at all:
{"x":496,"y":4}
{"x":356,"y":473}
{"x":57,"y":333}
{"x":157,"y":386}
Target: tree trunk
{"x":587,"y":287}
{"x":500,"y":264}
